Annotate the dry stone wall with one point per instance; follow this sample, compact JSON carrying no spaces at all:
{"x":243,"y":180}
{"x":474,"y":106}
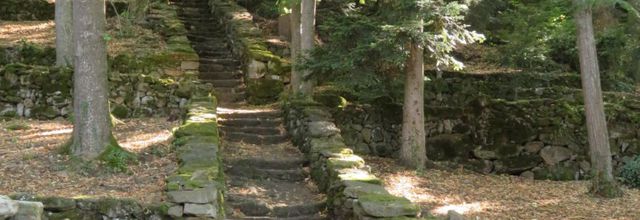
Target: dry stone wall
{"x":353,"y":192}
{"x":197,"y":187}
{"x":527,"y":124}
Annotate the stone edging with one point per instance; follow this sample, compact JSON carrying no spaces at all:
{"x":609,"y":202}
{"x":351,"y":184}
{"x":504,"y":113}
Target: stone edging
{"x":197,"y":187}
{"x":352,"y":191}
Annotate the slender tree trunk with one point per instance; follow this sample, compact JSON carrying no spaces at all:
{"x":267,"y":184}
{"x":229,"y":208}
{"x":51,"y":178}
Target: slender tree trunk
{"x":603,"y":183}
{"x":307,"y":27}
{"x":296,"y":75}
{"x":92,"y":127}
{"x":413,"y":151}
{"x":64,"y":37}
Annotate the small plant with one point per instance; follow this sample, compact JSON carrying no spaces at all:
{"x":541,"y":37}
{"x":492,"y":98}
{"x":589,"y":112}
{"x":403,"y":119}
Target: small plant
{"x":117,"y":159}
{"x":17,"y":125}
{"x":630,"y":173}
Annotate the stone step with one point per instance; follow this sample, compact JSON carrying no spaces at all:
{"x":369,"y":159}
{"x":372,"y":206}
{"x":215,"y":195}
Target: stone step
{"x":264,"y":122}
{"x":248,"y":171}
{"x":221,"y":45}
{"x":251,"y":138}
{"x":307,"y":217}
{"x":239,"y":89}
{"x":204,"y":38}
{"x":231,"y":97}
{"x":267,"y":114}
{"x":253,"y":130}
{"x":257,"y":209}
{"x":225,"y":83}
{"x":214,"y":53}
{"x":219,"y":68}
{"x":273,"y":163}
{"x":220,"y":61}
{"x":211,"y":75}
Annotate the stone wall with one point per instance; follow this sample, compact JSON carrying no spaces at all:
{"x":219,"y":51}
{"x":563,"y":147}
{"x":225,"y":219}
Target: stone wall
{"x":157,"y":84}
{"x":265,"y":72}
{"x":18,"y":210}
{"x":197,"y":187}
{"x":352,"y":191}
{"x":523,"y":124}
{"x":28,"y":207}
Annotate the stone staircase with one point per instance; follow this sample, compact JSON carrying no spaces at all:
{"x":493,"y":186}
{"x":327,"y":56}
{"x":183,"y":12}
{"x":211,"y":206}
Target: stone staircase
{"x":217,"y":63}
{"x":267,"y":177}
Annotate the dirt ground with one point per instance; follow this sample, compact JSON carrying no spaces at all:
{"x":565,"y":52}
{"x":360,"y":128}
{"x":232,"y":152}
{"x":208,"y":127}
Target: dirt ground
{"x":30,"y":162}
{"x":501,"y":197}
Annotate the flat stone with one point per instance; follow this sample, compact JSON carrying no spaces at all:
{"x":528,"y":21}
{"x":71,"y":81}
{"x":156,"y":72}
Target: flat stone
{"x":201,"y":210}
{"x":534,"y":146}
{"x":176,"y":211}
{"x":29,"y":211}
{"x":322,"y":129}
{"x":58,"y":204}
{"x":200,"y":196}
{"x":8,"y":207}
{"x":354,"y":189}
{"x":189,"y":65}
{"x":386,"y":206}
{"x":453,"y":215}
{"x":553,"y":155}
{"x":485,"y":154}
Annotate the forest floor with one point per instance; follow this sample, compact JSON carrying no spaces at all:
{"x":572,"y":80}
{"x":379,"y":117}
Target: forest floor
{"x":501,"y":197}
{"x":30,"y":162}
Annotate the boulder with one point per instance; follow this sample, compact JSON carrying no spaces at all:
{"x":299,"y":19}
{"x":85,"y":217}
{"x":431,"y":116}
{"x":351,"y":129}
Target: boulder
{"x":201,"y":210}
{"x":323,"y":129}
{"x":29,"y":211}
{"x":385,"y":206}
{"x":175,"y":211}
{"x":552,"y":155}
{"x":534,"y":146}
{"x":8,"y":207}
{"x":201,"y":196}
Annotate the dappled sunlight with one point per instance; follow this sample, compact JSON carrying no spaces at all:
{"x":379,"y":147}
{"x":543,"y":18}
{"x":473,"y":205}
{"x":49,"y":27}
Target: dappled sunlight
{"x":222,"y":110}
{"x":497,"y":196}
{"x":141,"y":142}
{"x":30,"y":161}
{"x":465,"y":209}
{"x":39,"y":32}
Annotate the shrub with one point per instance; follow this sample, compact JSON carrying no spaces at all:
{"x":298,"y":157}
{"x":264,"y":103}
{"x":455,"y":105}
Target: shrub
{"x":630,"y":173}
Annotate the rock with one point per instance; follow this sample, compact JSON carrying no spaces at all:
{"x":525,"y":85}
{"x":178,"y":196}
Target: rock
{"x":552,"y":155}
{"x":189,"y":65}
{"x":176,"y":211}
{"x":383,"y":206}
{"x":534,"y":146}
{"x":528,"y":175}
{"x":322,"y":129}
{"x":517,"y":164}
{"x":58,"y":204}
{"x":201,"y":196}
{"x":255,"y":69}
{"x":8,"y":207}
{"x":29,"y":211}
{"x":20,"y":109}
{"x":585,"y":166}
{"x":8,"y":110}
{"x":366,"y":135}
{"x":485,"y":154}
{"x":200,"y":210}
{"x":453,"y":215}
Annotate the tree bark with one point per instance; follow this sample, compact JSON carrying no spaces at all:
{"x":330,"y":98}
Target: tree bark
{"x":92,"y":127}
{"x":296,"y":75}
{"x":413,"y":151}
{"x":603,"y":182}
{"x":307,"y":36}
{"x":64,"y":37}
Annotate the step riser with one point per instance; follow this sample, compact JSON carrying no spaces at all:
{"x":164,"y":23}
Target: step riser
{"x":252,"y":130}
{"x":253,"y":173}
{"x":241,"y":122}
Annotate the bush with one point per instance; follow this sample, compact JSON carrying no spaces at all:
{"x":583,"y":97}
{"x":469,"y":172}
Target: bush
{"x":630,"y":173}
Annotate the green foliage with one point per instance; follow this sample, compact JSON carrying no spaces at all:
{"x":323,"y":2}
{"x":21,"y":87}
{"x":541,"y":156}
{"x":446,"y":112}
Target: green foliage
{"x":630,"y":173}
{"x":117,"y":159}
{"x":366,"y":45}
{"x":29,"y":53}
{"x":17,"y":125}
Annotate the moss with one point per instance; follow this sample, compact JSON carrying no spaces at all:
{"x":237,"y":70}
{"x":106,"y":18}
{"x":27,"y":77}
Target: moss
{"x":601,"y":187}
{"x":116,"y":158}
{"x":264,"y":91}
{"x":207,"y":128}
{"x":195,"y":139}
{"x":17,"y":125}
{"x":120,"y":111}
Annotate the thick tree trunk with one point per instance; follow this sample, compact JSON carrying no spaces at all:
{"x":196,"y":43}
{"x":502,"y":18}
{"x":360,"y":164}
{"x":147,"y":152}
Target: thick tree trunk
{"x":307,"y":36}
{"x":413,"y":151}
{"x":603,"y":181}
{"x":64,"y":37}
{"x":92,"y":127}
{"x":296,"y":75}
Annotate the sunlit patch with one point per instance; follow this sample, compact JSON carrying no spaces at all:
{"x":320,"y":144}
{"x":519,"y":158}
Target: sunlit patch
{"x":141,"y":141}
{"x":222,"y":110}
{"x":465,"y":208}
{"x":406,"y":186}
{"x":41,"y":32}
{"x":56,"y":132}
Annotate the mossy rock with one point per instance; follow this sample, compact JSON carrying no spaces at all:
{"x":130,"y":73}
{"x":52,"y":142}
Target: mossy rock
{"x":448,"y":147}
{"x":120,"y":111}
{"x":264,"y":91}
{"x":386,"y":206}
{"x":557,"y":172}
{"x":207,"y":128}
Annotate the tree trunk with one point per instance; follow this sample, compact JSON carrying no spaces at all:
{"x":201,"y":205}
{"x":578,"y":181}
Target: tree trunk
{"x":603,"y":183}
{"x":307,"y":36}
{"x":413,"y":151}
{"x":296,"y":76}
{"x":92,"y":127}
{"x":64,"y":37}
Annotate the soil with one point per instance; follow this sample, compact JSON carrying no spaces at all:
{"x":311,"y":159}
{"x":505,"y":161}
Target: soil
{"x":30,"y":162}
{"x":501,"y":197}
